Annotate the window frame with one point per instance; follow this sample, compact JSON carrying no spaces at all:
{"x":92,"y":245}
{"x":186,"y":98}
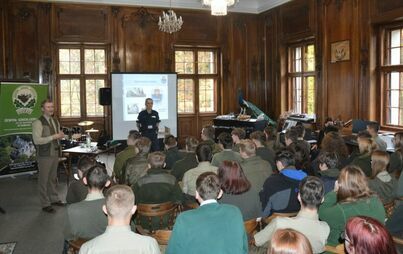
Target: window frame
{"x":82,"y":77}
{"x":384,"y":71}
{"x":196,"y":77}
{"x":291,"y":75}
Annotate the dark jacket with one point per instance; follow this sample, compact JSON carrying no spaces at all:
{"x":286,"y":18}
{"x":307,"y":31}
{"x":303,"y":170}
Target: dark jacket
{"x":385,"y":186}
{"x":181,"y":166}
{"x":135,"y":168}
{"x":280,"y":192}
{"x":266,"y":154}
{"x":76,"y":192}
{"x":329,"y":177}
{"x":395,"y":163}
{"x":248,"y":202}
{"x":364,"y":162}
{"x":215,"y":148}
{"x":172,"y":155}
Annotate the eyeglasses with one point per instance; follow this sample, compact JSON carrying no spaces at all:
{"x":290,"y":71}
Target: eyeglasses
{"x":344,"y":238}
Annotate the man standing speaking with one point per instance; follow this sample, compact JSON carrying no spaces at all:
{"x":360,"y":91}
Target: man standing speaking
{"x":46,"y":135}
{"x":147,"y":123}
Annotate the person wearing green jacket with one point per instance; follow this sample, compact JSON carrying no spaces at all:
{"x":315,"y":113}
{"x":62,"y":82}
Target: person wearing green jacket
{"x":129,"y":152}
{"x":351,"y":197}
{"x":366,"y":146}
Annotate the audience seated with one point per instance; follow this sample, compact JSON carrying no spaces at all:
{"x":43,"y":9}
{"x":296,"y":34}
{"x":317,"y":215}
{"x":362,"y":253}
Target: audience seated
{"x":189,"y":160}
{"x":365,"y":235}
{"x":237,"y":135}
{"x":211,"y":228}
{"x":272,"y":138}
{"x":327,"y":127}
{"x":395,"y":223}
{"x":381,"y":182}
{"x":136,"y":167}
{"x":157,"y":186}
{"x":351,"y":197}
{"x":310,"y":196}
{"x":171,"y":151}
{"x":329,"y":172}
{"x":363,"y":160}
{"x":204,"y":154}
{"x":373,"y":128}
{"x":237,"y":190}
{"x":207,"y":137}
{"x":255,"y":168}
{"x":225,"y":143}
{"x":85,"y":219}
{"x":396,"y":158}
{"x":129,"y":152}
{"x":289,"y":241}
{"x":77,"y":190}
{"x":301,"y":156}
{"x":267,"y":154}
{"x":280,"y":191}
{"x":301,"y":133}
{"x":290,"y":136}
{"x":118,"y":238}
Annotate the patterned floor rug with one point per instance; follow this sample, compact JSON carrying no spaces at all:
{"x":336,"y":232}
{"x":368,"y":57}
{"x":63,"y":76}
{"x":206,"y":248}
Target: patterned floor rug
{"x":7,"y":248}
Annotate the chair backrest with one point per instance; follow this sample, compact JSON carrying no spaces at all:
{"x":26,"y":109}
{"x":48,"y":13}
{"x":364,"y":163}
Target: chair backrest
{"x":267,"y":220}
{"x":162,"y":211}
{"x":162,"y":236}
{"x":75,"y":245}
{"x":251,"y":226}
{"x":339,"y":249}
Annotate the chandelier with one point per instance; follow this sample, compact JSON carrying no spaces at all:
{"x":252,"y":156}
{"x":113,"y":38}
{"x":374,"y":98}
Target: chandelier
{"x":219,"y":7}
{"x":169,"y":22}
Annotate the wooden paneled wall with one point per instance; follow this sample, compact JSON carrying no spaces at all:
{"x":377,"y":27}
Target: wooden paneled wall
{"x":253,"y":47}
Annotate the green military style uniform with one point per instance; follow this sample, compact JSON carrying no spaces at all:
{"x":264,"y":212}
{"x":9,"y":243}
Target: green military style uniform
{"x":135,"y":168}
{"x":256,"y":170}
{"x":364,"y":162}
{"x":181,"y":166}
{"x":226,"y":155}
{"x":121,"y":158}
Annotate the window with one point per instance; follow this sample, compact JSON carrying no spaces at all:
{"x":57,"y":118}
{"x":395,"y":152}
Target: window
{"x":301,"y":77}
{"x":81,"y":71}
{"x":197,"y":80}
{"x":392,"y":76}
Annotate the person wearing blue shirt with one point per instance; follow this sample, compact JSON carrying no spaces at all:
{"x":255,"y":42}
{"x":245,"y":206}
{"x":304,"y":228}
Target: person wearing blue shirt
{"x":147,"y":123}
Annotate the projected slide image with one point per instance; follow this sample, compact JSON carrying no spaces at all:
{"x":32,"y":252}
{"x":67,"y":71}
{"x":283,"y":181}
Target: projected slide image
{"x":135,"y":92}
{"x":132,"y":109}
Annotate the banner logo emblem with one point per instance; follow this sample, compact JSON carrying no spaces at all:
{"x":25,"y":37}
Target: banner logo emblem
{"x":24,"y":99}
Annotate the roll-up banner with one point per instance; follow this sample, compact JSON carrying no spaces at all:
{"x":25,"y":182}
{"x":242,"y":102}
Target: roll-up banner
{"x":19,"y":107}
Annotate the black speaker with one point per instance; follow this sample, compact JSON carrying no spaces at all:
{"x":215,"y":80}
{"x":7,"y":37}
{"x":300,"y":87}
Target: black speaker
{"x":105,"y":96}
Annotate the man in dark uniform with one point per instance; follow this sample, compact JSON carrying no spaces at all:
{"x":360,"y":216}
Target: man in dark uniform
{"x":147,"y":123}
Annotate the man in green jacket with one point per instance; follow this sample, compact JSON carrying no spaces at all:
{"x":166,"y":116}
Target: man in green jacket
{"x":136,"y":167}
{"x":129,"y":152}
{"x":211,"y":228}
{"x":189,"y":160}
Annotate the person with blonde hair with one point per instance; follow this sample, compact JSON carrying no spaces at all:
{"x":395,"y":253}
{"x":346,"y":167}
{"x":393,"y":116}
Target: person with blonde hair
{"x":289,"y":241}
{"x":381,"y":182}
{"x":118,"y":237}
{"x":366,"y":146}
{"x":351,"y":197}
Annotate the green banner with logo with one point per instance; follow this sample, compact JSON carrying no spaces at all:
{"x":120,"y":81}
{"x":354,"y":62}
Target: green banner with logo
{"x":19,"y":107}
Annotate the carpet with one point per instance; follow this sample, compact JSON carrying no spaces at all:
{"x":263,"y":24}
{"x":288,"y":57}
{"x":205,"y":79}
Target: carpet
{"x":7,"y":248}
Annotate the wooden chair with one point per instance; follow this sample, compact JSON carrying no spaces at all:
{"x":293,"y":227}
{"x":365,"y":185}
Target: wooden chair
{"x":75,"y":245}
{"x":162,"y":236}
{"x":251,"y":227}
{"x":267,"y":220}
{"x":339,"y":249}
{"x":163,"y":211}
{"x":389,"y":207}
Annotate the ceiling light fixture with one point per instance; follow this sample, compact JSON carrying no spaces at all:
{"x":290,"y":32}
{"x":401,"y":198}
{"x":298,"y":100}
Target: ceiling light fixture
{"x":219,"y":7}
{"x":169,"y":22}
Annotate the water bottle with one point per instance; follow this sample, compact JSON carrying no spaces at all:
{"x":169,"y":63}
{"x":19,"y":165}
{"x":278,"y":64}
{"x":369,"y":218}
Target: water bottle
{"x":88,"y":141}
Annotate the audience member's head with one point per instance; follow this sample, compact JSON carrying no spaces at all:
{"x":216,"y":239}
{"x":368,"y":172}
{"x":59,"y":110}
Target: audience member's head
{"x":398,"y":141}
{"x":334,"y":143}
{"x":258,"y":137}
{"x":225,"y":140}
{"x":144,"y":145}
{"x":191,"y":144}
{"x":328,"y":121}
{"x":83,"y":164}
{"x":207,"y":133}
{"x":327,"y":160}
{"x":363,"y":134}
{"x":301,"y":155}
{"x":119,"y":204}
{"x":238,"y":134}
{"x":284,"y":159}
{"x":300,"y":130}
{"x":379,"y":162}
{"x":232,"y":178}
{"x":97,"y":177}
{"x":156,"y":160}
{"x":247,"y":148}
{"x":330,"y":128}
{"x":352,"y":185}
{"x":132,"y":137}
{"x":208,"y":187}
{"x":366,"y":145}
{"x":311,"y":192}
{"x":271,"y":133}
{"x":373,"y":128}
{"x":365,"y":235}
{"x":291,"y":136}
{"x":204,"y":152}
{"x":289,"y":241}
{"x":170,"y":141}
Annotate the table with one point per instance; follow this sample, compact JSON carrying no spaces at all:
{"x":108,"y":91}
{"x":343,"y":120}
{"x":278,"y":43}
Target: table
{"x":89,"y":151}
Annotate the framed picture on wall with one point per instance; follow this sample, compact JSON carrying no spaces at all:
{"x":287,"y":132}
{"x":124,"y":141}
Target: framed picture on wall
{"x":340,"y":51}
